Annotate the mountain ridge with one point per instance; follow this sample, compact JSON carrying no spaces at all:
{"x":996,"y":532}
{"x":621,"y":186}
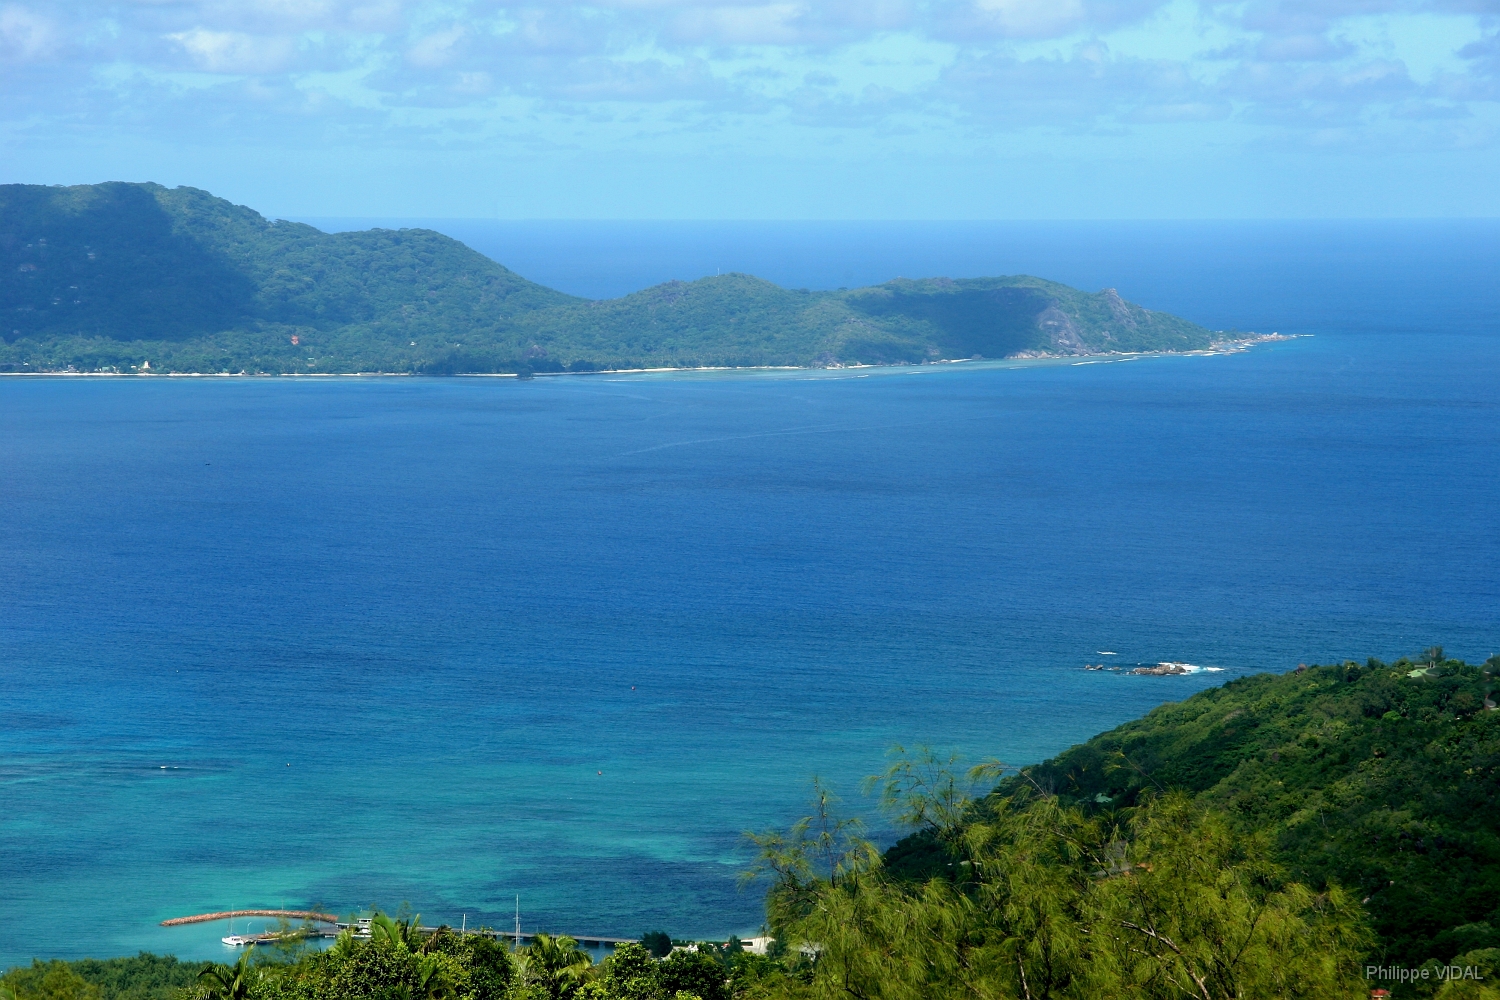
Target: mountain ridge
{"x":126,"y":277}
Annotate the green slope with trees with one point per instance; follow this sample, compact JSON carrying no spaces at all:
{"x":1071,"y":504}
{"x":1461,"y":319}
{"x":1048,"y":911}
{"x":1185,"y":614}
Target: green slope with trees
{"x":138,"y":277}
{"x":1380,"y":781}
{"x":1384,"y":779}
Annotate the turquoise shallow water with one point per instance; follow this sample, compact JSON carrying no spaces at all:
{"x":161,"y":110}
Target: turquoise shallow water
{"x":363,"y":641}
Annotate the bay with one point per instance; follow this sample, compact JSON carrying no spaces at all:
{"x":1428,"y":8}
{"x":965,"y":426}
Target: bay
{"x":451,"y":641}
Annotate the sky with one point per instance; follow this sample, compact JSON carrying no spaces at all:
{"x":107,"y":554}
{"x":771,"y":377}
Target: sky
{"x":766,"y":109}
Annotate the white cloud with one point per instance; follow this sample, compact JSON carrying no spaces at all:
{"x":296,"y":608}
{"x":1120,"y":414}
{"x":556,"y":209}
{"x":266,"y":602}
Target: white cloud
{"x":784,"y":22}
{"x":765,"y":24}
{"x":750,"y":71}
{"x":234,"y":51}
{"x":437,"y":49}
{"x":25,"y":34}
{"x":285,"y":17}
{"x":473,"y":83}
{"x":1032,"y":18}
{"x":1089,"y":87}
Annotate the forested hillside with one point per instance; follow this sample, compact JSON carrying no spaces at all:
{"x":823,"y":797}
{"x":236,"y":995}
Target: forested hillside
{"x":1381,"y":778}
{"x":133,"y":278}
{"x":113,"y":276}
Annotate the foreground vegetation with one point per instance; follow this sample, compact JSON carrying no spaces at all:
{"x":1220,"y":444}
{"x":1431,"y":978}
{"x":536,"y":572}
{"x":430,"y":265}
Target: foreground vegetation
{"x":1359,"y":802}
{"x":1275,"y":837}
{"x":403,"y":961}
{"x":1382,"y":778}
{"x":118,"y":277}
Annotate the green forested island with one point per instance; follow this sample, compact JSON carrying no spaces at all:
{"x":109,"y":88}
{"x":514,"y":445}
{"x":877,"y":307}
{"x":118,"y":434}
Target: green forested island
{"x":1316,"y":834}
{"x":132,"y":278}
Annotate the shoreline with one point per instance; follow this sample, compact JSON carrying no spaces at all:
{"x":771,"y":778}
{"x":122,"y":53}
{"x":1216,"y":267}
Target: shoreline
{"x":1236,"y":346}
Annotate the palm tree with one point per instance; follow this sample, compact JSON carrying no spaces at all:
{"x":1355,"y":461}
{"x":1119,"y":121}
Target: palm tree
{"x":229,"y":982}
{"x":345,"y":945}
{"x":400,"y":935}
{"x":556,"y":964}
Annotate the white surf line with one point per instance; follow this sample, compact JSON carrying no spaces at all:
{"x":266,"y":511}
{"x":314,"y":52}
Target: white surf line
{"x":1116,"y":361}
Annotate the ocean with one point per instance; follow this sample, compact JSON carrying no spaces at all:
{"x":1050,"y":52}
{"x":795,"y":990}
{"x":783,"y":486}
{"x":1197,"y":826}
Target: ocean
{"x":450,"y":642}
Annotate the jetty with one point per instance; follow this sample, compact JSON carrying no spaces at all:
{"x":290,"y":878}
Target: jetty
{"x":203,"y":918}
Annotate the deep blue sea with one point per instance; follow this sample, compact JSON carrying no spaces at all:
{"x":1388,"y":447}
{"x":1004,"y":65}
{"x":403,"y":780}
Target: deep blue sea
{"x":454,"y":641}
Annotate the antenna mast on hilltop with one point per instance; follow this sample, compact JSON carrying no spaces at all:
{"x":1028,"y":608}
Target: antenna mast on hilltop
{"x":518,"y":921}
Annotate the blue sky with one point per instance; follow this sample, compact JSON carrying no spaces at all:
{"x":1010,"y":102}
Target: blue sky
{"x":767,"y":108}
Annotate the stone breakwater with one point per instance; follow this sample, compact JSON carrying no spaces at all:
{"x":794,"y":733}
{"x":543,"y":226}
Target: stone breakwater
{"x":203,"y":918}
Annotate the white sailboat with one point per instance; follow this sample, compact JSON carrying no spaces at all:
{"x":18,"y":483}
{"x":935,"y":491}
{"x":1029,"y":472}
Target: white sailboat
{"x":237,"y":940}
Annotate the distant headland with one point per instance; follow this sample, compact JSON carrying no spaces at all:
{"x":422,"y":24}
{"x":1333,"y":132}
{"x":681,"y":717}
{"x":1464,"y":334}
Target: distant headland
{"x":123,"y":278}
